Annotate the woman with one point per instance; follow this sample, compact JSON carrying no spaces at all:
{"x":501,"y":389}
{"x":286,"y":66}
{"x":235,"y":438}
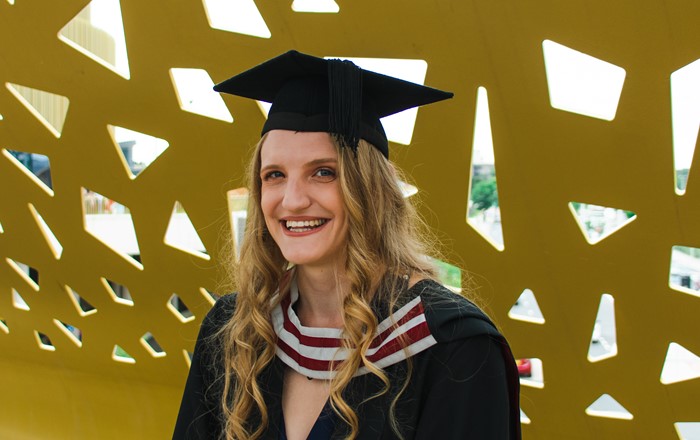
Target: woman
{"x":339,"y":329}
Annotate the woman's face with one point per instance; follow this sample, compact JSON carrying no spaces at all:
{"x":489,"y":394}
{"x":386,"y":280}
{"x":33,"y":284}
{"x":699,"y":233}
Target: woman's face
{"x":301,"y":198}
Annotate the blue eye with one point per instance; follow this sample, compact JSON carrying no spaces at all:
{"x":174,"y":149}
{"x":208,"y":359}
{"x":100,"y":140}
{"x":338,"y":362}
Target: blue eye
{"x":272,"y":175}
{"x":325,"y":173}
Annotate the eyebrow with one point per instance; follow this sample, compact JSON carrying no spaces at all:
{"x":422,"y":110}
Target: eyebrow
{"x":308,"y":164}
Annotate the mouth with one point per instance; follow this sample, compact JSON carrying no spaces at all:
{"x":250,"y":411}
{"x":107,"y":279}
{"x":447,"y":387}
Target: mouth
{"x":303,"y":225}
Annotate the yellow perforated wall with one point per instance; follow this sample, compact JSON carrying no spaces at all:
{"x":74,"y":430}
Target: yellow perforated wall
{"x":77,"y":387}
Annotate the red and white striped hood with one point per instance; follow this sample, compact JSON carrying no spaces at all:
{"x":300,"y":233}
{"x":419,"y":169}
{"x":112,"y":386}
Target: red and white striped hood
{"x":313,"y":351}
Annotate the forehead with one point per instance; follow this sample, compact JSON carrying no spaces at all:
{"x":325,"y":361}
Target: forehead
{"x":284,"y":147}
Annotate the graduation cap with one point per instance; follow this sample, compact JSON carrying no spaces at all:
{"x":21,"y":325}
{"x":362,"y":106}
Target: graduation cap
{"x":334,"y":96}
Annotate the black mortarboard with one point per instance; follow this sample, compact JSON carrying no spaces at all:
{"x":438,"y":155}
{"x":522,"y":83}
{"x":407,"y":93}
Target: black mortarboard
{"x":335,"y":96}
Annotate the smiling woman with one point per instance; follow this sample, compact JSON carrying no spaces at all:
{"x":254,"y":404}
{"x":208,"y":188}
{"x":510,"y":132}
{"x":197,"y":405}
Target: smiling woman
{"x":339,"y":329}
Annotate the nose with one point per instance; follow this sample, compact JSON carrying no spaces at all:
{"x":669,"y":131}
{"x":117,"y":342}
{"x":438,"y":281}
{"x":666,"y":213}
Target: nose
{"x":296,"y":196}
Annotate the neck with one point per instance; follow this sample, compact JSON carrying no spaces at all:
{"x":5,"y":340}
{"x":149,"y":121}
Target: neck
{"x":321,"y":295}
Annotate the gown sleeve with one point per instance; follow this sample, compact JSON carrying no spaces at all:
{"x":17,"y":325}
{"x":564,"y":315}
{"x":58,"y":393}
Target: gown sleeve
{"x":199,"y":409}
{"x":470,"y":394}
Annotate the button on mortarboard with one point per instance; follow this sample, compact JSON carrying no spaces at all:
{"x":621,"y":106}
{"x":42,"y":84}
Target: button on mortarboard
{"x":314,"y":94}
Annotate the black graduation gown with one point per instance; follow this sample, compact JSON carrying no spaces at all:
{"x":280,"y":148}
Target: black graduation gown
{"x":464,"y":387}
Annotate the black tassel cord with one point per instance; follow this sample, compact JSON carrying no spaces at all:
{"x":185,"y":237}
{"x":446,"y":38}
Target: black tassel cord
{"x":345,"y":102}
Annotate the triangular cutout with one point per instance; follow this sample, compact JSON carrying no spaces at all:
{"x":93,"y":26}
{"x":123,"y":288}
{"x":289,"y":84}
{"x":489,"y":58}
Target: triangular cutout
{"x":685,"y":114}
{"x":599,"y":222}
{"x":178,"y":308}
{"x":398,"y":127}
{"x":28,"y":273}
{"x":119,"y":293}
{"x":688,"y":430}
{"x":98,"y":32}
{"x":680,"y":365}
{"x":181,"y":233}
{"x":83,"y":307}
{"x":188,"y":357}
{"x":531,"y":372}
{"x":49,"y":108}
{"x":49,"y":236}
{"x":3,"y":327}
{"x":12,"y":2}
{"x":603,"y":343}
{"x":449,"y":275}
{"x":580,"y":83}
{"x":238,"y":207}
{"x":407,"y":190}
{"x":137,"y":150}
{"x":209,"y":296}
{"x":44,"y":341}
{"x":120,"y":355}
{"x":151,"y":345}
{"x":483,"y":210}
{"x":73,"y":333}
{"x":37,"y":172}
{"x":684,"y":275}
{"x":524,"y":419}
{"x":194,"y":90}
{"x":240,"y":16}
{"x":118,"y":232}
{"x":317,"y":6}
{"x":606,"y":406}
{"x":18,"y":302}
{"x":526,"y":308}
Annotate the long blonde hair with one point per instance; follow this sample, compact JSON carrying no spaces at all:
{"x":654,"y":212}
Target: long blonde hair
{"x":384,"y":232}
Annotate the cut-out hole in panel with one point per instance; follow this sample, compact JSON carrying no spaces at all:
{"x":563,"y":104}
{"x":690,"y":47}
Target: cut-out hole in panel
{"x":526,"y":308}
{"x":54,"y":245}
{"x":18,"y":302}
{"x":238,"y":207}
{"x":603,"y":343}
{"x":399,"y":126}
{"x":209,"y":296}
{"x":116,"y":231}
{"x":119,"y":293}
{"x":27,"y":163}
{"x":606,"y":406}
{"x":50,"y":109}
{"x":44,"y":341}
{"x":83,"y":307}
{"x":450,"y":276}
{"x":533,"y":367}
{"x":240,"y":16}
{"x":28,"y":273}
{"x":151,"y":345}
{"x":73,"y":333}
{"x":688,"y":430}
{"x":120,"y":355}
{"x":1,"y":229}
{"x":524,"y":419}
{"x":684,"y":274}
{"x":680,"y":365}
{"x":38,"y":164}
{"x":194,"y":90}
{"x":181,"y":233}
{"x":599,"y":222}
{"x":98,"y":33}
{"x":3,"y":326}
{"x":483,"y":210}
{"x":317,"y":6}
{"x":178,"y":307}
{"x":137,"y":150}
{"x":580,"y":83}
{"x":188,"y":357}
{"x":407,"y":190}
{"x":685,"y":114}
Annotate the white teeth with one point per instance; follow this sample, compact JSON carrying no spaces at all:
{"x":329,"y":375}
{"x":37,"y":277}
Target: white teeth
{"x":303,"y":225}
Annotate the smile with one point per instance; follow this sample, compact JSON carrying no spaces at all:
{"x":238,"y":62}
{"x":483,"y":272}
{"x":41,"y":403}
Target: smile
{"x":303,"y":225}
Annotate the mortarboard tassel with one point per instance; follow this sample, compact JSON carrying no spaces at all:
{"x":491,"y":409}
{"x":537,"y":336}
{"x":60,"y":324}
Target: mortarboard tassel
{"x":345,"y":102}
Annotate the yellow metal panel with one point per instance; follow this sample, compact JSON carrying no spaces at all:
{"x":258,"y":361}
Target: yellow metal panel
{"x":546,"y":158}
